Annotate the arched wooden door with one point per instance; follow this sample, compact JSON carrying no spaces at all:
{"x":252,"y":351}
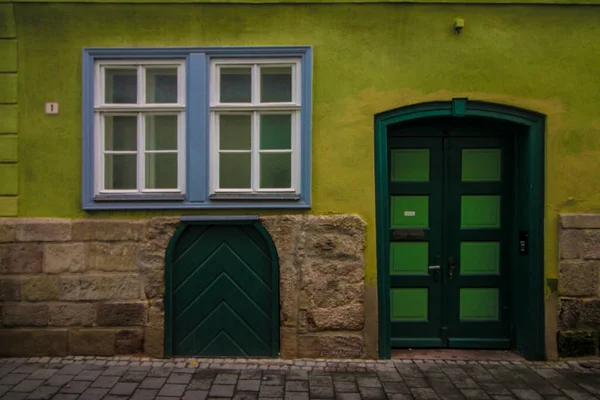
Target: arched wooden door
{"x":222,"y":290}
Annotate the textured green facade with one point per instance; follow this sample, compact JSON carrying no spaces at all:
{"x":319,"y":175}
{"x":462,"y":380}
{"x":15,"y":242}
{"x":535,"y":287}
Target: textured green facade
{"x":369,"y":57}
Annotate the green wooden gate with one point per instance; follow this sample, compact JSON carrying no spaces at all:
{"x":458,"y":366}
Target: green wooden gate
{"x":221,"y":290}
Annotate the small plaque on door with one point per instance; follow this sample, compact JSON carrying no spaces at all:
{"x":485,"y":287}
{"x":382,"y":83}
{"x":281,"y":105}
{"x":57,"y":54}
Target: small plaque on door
{"x":406,"y":233}
{"x":409,"y":213}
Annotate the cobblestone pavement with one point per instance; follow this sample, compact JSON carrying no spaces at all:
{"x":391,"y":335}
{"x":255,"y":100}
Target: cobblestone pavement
{"x":112,"y":378}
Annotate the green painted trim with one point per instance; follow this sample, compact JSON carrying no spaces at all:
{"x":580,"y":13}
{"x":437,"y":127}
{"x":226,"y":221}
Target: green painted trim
{"x":535,"y":123}
{"x":224,"y":220}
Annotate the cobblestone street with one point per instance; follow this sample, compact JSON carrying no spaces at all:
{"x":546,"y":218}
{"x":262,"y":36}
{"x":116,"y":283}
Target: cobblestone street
{"x":113,"y":378}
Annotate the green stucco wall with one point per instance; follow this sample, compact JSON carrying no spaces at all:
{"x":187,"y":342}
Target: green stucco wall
{"x":368,"y":58}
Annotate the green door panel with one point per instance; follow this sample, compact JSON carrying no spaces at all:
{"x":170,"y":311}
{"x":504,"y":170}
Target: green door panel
{"x":409,"y":258}
{"x":453,"y":208}
{"x":220,"y":299}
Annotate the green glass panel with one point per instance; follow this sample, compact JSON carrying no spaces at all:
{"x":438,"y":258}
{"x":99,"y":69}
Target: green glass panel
{"x":409,"y":258}
{"x":234,"y":171}
{"x":481,"y":165}
{"x":120,"y":171}
{"x":161,"y":132}
{"x":478,"y":212}
{"x":235,"y":131}
{"x":275,"y":171}
{"x":161,"y":85}
{"x":121,"y":86}
{"x":410,"y":165}
{"x":161,"y":170}
{"x":410,"y":211}
{"x":275,"y":84}
{"x":236,"y":85}
{"x":275,"y":131}
{"x":409,"y":304}
{"x":479,"y":304}
{"x":120,"y":132}
{"x":479,"y":258}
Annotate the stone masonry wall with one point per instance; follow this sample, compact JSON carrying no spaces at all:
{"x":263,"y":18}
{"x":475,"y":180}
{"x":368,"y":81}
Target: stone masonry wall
{"x":579,"y":285}
{"x":96,"y":287}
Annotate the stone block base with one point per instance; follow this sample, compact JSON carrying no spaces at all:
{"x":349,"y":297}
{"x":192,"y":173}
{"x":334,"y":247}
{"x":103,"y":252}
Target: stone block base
{"x":580,"y":343}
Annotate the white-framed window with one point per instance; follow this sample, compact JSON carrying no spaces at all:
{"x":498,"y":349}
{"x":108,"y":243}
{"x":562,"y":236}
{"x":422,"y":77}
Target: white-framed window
{"x":255,"y":117}
{"x":139,"y":127}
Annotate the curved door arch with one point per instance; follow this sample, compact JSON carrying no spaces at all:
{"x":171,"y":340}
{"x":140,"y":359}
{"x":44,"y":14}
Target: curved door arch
{"x":222,"y":290}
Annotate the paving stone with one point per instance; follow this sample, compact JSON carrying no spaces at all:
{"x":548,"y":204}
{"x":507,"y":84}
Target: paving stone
{"x":343,"y":377}
{"x":106,"y":382}
{"x":416,"y":382}
{"x":87,"y":375}
{"x":296,"y":396}
{"x":133,"y":376}
{"x":578,"y":394}
{"x":115,"y":371}
{"x":389,"y":376}
{"x":179,"y":378}
{"x":43,"y":392}
{"x":5,"y":388}
{"x":43,"y":374}
{"x":144,"y":394}
{"x":475,"y":394}
{"x":93,"y":394}
{"x":248,"y":385}
{"x":225,"y":379}
{"x":526,"y":394}
{"x":195,"y":395}
{"x":15,"y":396}
{"x":265,"y":391}
{"x":27,"y":369}
{"x":71,"y":369}
{"x":172,"y":390}
{"x":271,"y":379}
{"x":160,"y":372}
{"x":298,"y":386}
{"x":77,"y":387}
{"x":395,"y":387}
{"x":368,"y":382}
{"x":352,"y":396}
{"x":27,"y":385}
{"x":201,"y":384}
{"x":372,"y":393}
{"x":59,"y":380}
{"x":12,"y":379}
{"x":124,"y":388}
{"x":295,"y":375}
{"x":320,"y":381}
{"x":402,"y":396}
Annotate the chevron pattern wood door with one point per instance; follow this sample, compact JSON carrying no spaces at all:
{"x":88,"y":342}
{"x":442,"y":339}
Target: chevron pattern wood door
{"x":222,"y":295}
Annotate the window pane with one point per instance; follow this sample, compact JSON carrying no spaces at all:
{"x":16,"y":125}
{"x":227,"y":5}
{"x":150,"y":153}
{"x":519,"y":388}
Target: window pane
{"x":275,"y":171}
{"x":235,"y":85}
{"x":161,"y":132}
{"x":275,"y":131}
{"x":234,"y":171}
{"x":121,"y":86}
{"x":161,"y":85}
{"x":120,"y":171}
{"x":275,"y":84}
{"x":161,"y":171}
{"x":120,"y":132}
{"x":234,"y":132}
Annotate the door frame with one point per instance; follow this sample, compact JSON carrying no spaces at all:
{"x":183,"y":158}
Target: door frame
{"x":533,"y":195}
{"x":187,"y":221}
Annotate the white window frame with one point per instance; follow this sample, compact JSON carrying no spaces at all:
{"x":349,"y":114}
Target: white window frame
{"x":141,"y":109}
{"x":255,"y":108}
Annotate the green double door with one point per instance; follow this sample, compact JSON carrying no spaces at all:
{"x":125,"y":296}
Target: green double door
{"x":451,"y":225}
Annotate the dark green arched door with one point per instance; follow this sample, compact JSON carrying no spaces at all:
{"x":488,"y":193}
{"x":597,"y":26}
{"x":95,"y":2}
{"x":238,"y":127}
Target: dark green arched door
{"x":222,"y":291}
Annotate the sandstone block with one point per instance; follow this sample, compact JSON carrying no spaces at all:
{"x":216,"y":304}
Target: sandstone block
{"x":43,"y":230}
{"x":153,"y":282}
{"x":309,"y":346}
{"x":10,"y":289}
{"x":577,"y":343}
{"x":342,"y":346}
{"x":570,"y":243}
{"x":346,"y":318}
{"x":156,"y":316}
{"x":41,"y":288}
{"x":580,"y":221}
{"x":64,"y":257}
{"x":92,"y":342}
{"x":590,"y":247}
{"x":154,"y":341}
{"x":73,"y":314}
{"x":100,"y":287}
{"x":8,"y":232}
{"x":20,"y":258}
{"x":24,"y":314}
{"x":159,"y":231}
{"x":334,"y":246}
{"x":111,"y":256}
{"x":288,"y":343}
{"x":578,"y":278}
{"x":590,"y":315}
{"x":569,"y":313}
{"x":129,"y":341}
{"x":107,"y":230}
{"x":122,"y":314}
{"x":28,"y":343}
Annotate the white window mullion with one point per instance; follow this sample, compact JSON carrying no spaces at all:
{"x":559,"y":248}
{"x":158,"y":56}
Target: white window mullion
{"x":100,"y":146}
{"x":255,"y":153}
{"x":296,"y":151}
{"x":181,"y":172}
{"x":214,"y":150}
{"x":141,"y":156}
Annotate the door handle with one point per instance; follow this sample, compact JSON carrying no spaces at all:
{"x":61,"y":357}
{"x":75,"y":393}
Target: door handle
{"x":451,"y":267}
{"x":435,"y":270}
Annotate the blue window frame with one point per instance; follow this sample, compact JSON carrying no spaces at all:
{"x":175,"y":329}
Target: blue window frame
{"x":191,"y":92}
